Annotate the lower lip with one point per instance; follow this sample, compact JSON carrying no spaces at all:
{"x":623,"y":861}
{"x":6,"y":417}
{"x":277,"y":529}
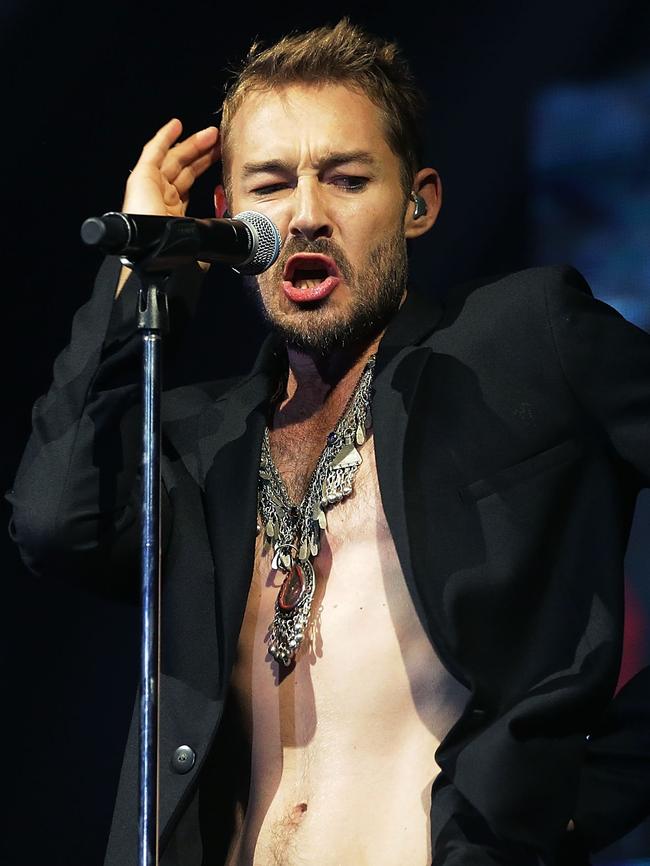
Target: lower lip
{"x":315,"y":293}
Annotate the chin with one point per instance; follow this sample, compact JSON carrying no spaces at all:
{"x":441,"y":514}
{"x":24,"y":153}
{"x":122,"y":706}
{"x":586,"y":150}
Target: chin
{"x":317,"y":333}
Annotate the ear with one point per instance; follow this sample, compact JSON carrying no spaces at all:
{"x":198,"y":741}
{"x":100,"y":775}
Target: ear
{"x":220,"y":203}
{"x":427,"y":185}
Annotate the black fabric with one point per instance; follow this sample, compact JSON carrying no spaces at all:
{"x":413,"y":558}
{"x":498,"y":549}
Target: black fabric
{"x":614,"y":794}
{"x":512,"y":431}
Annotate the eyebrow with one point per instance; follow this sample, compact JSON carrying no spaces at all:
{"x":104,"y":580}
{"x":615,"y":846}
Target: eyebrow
{"x":279,"y":166}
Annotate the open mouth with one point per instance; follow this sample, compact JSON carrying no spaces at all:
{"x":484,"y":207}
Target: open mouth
{"x":310,"y":277}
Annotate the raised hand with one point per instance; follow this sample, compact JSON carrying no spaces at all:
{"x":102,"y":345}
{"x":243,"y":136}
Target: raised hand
{"x":162,"y":178}
{"x":164,"y":174}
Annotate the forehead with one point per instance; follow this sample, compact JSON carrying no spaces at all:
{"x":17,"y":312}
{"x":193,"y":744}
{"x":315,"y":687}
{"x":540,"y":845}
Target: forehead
{"x":303,"y":121}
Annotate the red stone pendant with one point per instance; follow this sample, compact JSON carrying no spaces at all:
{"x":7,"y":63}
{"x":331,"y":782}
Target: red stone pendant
{"x":292,"y":589}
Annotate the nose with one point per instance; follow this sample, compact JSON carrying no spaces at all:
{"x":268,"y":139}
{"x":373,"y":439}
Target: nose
{"x":310,"y":218}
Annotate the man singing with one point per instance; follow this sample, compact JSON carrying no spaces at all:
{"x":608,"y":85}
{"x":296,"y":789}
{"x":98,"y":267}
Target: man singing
{"x":393,"y":552}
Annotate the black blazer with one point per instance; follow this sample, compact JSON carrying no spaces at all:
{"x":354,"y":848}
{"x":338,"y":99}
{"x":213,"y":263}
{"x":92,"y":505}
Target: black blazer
{"x":512,"y":431}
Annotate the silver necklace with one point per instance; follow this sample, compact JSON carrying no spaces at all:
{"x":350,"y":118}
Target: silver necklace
{"x":294,"y":530}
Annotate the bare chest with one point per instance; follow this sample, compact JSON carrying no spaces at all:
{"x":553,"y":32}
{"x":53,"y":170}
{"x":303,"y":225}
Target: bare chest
{"x":349,"y":731}
{"x":365,"y":643}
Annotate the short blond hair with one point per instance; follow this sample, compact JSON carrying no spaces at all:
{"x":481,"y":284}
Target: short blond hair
{"x":343,"y":53}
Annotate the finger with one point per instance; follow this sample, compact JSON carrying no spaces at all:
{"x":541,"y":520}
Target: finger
{"x":172,"y":198}
{"x":188,"y":151}
{"x":186,"y":177}
{"x":155,"y":150}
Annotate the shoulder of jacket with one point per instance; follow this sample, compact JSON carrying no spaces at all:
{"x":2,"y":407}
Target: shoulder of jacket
{"x":518,"y":287}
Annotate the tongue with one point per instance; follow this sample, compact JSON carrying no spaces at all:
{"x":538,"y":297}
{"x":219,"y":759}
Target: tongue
{"x":309,"y":288}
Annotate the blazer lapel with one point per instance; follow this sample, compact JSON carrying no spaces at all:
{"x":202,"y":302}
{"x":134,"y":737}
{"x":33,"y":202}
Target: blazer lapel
{"x":230,"y":438}
{"x":400,"y":362}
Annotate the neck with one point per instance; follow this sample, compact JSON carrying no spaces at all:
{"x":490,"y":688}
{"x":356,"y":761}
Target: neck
{"x":314,"y":380}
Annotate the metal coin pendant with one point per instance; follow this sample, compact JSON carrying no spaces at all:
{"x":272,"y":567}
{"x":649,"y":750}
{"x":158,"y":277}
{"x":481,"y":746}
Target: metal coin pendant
{"x":292,"y":608}
{"x":294,"y":530}
{"x":292,"y":589}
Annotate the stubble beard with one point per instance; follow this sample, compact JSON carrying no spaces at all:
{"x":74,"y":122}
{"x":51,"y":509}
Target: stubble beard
{"x":319,"y":328}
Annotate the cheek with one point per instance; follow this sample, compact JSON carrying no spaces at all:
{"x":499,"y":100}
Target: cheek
{"x":279,"y":213}
{"x":366,"y":231}
{"x":376,"y":215}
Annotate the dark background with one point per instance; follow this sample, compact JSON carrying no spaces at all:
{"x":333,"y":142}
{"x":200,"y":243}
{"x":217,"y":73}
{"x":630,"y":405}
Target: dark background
{"x":85,"y":86}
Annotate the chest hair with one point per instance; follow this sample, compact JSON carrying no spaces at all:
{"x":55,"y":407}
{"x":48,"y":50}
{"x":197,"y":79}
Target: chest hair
{"x":298,"y":435}
{"x":295,"y":451}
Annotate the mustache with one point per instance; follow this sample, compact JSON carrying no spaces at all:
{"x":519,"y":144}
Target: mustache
{"x":324,"y":246}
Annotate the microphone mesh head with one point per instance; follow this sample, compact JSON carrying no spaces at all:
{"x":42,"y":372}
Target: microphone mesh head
{"x":265,"y":242}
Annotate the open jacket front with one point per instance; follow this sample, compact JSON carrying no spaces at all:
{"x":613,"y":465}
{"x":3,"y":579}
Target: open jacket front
{"x":512,"y":433}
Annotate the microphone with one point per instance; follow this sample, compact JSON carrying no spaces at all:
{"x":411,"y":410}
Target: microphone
{"x":249,"y":242}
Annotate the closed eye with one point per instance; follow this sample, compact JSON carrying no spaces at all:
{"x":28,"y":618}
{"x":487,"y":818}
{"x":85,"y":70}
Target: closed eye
{"x":350,"y":182}
{"x":269,"y":189}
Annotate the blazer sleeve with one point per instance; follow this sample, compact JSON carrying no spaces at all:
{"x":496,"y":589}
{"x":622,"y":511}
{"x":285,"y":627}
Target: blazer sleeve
{"x":605,"y":361}
{"x":614,"y":793}
{"x":75,"y":504}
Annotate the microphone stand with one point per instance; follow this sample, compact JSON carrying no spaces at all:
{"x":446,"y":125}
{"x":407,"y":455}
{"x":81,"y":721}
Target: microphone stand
{"x":179,"y":243}
{"x":153,"y":323}
{"x":154,"y":267}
